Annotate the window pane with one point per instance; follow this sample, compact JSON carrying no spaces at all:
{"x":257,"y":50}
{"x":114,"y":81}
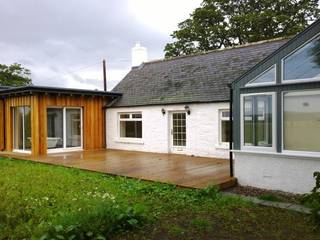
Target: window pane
{"x":248,"y":121}
{"x":263,"y":121}
{"x":225,"y":114}
{"x":18,"y":128}
{"x":302,"y":121}
{"x":258,"y":121}
{"x":22,"y":128}
{"x":124,"y":115}
{"x":137,"y":115}
{"x":225,"y":131}
{"x":73,"y":128}
{"x":54,"y":128}
{"x":27,"y":128}
{"x":304,"y":63}
{"x":266,"y":77}
{"x":179,"y":129}
{"x":131,"y":129}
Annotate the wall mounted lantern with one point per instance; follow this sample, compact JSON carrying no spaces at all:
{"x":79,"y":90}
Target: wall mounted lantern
{"x":187,"y":108}
{"x":163,"y":111}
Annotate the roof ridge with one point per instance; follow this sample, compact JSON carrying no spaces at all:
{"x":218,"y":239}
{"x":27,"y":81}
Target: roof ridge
{"x":214,"y":50}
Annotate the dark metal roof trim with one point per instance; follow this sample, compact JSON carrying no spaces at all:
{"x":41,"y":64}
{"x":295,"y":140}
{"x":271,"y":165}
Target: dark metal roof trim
{"x":54,"y":90}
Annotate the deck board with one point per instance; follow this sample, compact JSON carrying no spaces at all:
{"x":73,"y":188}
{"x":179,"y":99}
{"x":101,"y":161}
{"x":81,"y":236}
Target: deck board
{"x":181,"y":170}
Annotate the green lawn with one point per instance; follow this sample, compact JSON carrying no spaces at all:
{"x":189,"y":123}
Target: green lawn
{"x":50,"y":202}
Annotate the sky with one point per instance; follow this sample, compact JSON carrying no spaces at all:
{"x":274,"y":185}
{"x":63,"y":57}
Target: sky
{"x":63,"y":42}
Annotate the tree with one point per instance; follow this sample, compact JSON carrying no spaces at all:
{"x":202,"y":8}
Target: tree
{"x":224,"y":23}
{"x":14,"y":75}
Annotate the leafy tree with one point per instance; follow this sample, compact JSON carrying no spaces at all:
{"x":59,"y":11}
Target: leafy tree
{"x":223,"y":23}
{"x":14,"y":75}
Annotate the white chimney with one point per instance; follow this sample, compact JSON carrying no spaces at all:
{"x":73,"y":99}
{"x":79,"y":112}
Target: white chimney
{"x":139,"y":55}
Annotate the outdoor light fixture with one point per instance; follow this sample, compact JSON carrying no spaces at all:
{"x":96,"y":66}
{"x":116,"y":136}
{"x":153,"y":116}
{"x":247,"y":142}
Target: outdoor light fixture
{"x":187,"y":108}
{"x":163,"y":111}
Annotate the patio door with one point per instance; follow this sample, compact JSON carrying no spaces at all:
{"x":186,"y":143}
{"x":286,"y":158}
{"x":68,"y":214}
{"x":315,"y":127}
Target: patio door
{"x":22,"y":129}
{"x":178,"y":131}
{"x":64,"y":129}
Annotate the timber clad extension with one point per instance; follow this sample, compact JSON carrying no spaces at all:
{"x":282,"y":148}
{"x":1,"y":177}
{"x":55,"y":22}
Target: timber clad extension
{"x":91,"y":103}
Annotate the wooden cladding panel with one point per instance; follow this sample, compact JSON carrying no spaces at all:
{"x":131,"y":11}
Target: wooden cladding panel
{"x":1,"y":125}
{"x":93,"y":119}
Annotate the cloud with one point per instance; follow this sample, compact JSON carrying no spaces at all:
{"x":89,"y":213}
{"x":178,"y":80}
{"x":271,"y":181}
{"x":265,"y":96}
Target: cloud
{"x":64,"y":42}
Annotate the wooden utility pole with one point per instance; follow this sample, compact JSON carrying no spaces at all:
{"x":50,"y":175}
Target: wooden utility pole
{"x":104,"y":75}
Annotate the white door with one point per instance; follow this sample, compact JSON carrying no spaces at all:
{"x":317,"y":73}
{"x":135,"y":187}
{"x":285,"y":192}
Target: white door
{"x":178,"y":132}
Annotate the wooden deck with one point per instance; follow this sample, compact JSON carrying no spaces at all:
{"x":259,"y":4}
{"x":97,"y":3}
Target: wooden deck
{"x":181,"y":170}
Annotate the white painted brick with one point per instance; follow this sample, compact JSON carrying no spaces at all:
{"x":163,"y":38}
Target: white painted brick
{"x":276,"y":172}
{"x":202,"y":129}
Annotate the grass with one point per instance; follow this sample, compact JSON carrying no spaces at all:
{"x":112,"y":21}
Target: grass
{"x":40,"y":201}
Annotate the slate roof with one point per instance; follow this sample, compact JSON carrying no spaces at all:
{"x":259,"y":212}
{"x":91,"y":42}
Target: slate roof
{"x":199,"y":78}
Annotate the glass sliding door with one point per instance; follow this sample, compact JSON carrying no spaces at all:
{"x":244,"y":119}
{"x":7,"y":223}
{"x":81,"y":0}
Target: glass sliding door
{"x":54,"y":128}
{"x":73,"y":128}
{"x":22,"y":128}
{"x":64,"y":128}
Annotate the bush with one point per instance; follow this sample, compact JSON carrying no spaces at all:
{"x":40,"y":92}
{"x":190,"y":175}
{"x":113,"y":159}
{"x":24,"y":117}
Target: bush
{"x":98,"y":223}
{"x":312,"y":200}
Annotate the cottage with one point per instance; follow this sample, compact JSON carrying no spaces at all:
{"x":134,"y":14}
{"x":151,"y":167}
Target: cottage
{"x":181,"y":105}
{"x":276,"y":112}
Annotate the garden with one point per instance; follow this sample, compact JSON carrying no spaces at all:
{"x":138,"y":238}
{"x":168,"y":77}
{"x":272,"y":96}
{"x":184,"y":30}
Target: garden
{"x":40,"y":201}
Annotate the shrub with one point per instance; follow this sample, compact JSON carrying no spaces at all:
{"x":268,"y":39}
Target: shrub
{"x":312,"y":200}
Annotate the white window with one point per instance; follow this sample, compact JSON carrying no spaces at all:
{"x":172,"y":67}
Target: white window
{"x":301,"y":121}
{"x":304,"y":63}
{"x":258,"y":121}
{"x":130,"y":125}
{"x":224,"y":126}
{"x":64,"y":128}
{"x":266,"y":77}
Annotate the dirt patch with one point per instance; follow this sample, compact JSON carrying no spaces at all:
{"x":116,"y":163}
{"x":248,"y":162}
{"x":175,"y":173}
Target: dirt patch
{"x":264,"y":193}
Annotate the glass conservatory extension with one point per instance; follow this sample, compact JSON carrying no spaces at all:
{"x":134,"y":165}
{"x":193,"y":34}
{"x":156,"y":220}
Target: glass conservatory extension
{"x":286,"y":117}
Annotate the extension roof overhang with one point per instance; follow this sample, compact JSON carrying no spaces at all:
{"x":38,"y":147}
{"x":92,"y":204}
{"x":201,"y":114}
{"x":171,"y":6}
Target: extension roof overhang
{"x":5,"y":91}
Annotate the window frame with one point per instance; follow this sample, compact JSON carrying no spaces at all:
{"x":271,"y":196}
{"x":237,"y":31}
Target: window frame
{"x":23,"y":130}
{"x":301,"y":80}
{"x":292,"y":152}
{"x":274,"y":123}
{"x":171,"y":131}
{"x":64,"y":122}
{"x":221,"y":118}
{"x":130,"y":119}
{"x":251,"y":82}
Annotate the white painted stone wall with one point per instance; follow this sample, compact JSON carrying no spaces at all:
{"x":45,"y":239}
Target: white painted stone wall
{"x":276,"y":171}
{"x":202,"y":130}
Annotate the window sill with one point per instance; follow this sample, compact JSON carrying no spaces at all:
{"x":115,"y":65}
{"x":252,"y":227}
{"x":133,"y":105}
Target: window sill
{"x":130,"y":141}
{"x":283,"y":154}
{"x":64,"y":150}
{"x":22,"y":152}
{"x":222,"y":146}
